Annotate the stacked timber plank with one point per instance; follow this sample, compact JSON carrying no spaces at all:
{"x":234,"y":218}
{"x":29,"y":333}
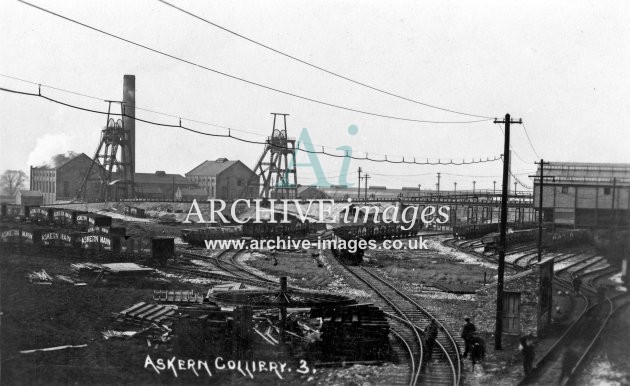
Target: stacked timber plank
{"x":145,"y":313}
{"x":358,"y":332}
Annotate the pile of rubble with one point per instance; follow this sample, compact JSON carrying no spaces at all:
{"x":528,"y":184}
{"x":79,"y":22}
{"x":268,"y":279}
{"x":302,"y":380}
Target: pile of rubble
{"x":43,"y":278}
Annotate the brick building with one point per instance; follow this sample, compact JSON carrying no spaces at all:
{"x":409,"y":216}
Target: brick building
{"x":62,"y":181}
{"x":224,"y":179}
{"x":585,"y":195}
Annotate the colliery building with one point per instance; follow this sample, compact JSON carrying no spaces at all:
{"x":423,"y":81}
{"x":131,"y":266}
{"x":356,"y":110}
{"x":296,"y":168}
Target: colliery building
{"x":160,"y":185}
{"x":584,"y":195}
{"x":224,"y":179}
{"x":61,"y":181}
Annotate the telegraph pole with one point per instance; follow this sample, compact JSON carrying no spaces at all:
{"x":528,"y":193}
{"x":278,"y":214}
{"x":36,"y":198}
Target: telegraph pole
{"x":359,"y":186}
{"x":498,"y":332}
{"x":367,"y":176}
{"x":438,"y":185}
{"x":540,"y":207}
{"x":474,"y":183}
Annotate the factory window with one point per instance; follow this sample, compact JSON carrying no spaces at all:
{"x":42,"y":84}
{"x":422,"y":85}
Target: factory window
{"x":66,"y":188}
{"x":239,"y":182}
{"x":606,"y":191}
{"x":565,"y":189}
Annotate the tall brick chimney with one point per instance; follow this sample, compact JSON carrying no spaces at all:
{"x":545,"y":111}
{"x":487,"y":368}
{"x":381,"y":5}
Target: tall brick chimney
{"x":129,"y":156}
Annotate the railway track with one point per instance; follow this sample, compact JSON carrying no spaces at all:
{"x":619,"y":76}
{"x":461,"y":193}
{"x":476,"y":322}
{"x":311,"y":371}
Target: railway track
{"x":616,"y":323}
{"x":445,"y":367}
{"x":227,"y":269}
{"x":580,"y":337}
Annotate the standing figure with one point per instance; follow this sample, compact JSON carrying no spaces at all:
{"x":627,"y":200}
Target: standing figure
{"x":477,"y":350}
{"x":467,"y":335}
{"x":527,"y":349}
{"x":431,"y":332}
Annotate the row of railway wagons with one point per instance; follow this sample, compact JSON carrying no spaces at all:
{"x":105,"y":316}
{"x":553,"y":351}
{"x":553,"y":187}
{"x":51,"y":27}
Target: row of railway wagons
{"x":473,"y":231}
{"x":63,"y":217}
{"x":95,"y":239}
{"x":375,"y":231}
{"x":556,"y":239}
{"x":262,"y":230}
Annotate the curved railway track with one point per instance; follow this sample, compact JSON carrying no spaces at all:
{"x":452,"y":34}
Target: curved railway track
{"x":616,"y":316}
{"x":581,"y":336}
{"x":227,"y":269}
{"x":445,"y":367}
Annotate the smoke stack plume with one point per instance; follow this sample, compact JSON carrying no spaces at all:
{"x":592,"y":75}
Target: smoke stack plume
{"x":58,"y":160}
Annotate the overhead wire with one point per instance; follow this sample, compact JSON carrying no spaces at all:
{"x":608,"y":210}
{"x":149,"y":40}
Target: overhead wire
{"x":229,"y":135}
{"x":243,"y":79}
{"x":530,"y":141}
{"x":512,"y":148}
{"x":330,"y":72}
{"x":154,"y":111}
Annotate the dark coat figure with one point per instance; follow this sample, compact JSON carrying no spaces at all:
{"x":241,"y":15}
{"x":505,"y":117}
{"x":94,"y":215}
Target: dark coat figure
{"x":577,"y":283}
{"x":527,"y":349}
{"x":431,"y":332}
{"x":569,"y":360}
{"x":477,"y":350}
{"x":467,"y":335}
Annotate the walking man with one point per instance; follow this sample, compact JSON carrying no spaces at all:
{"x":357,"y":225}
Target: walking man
{"x":467,"y":335}
{"x":527,"y":349}
{"x":477,"y":350}
{"x":431,"y":332}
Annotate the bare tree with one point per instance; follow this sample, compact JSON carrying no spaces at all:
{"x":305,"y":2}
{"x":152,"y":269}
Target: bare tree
{"x":11,"y":181}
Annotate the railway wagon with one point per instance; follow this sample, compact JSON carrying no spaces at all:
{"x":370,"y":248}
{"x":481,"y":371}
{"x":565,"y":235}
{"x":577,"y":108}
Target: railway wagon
{"x":11,"y":212}
{"x":134,"y":211}
{"x":266,"y":229}
{"x":40,"y":215}
{"x":66,"y":217}
{"x":21,"y":236}
{"x":198,"y":235}
{"x":347,"y":256}
{"x":61,"y":238}
{"x":86,"y":220}
{"x":566,"y":237}
{"x":491,"y":242}
{"x":99,"y":242}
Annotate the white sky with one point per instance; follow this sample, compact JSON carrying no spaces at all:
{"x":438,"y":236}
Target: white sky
{"x":561,"y":66}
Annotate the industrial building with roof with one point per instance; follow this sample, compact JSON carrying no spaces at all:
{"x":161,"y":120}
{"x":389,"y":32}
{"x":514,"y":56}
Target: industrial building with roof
{"x":160,"y":185}
{"x":224,"y":179}
{"x":62,"y":181}
{"x":584,"y":195}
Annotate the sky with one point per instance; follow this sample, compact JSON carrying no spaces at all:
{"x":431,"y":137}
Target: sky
{"x":560,"y":66}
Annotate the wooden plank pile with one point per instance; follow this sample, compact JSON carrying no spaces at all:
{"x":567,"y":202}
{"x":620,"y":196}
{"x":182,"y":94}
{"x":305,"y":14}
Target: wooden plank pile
{"x":358,"y":332}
